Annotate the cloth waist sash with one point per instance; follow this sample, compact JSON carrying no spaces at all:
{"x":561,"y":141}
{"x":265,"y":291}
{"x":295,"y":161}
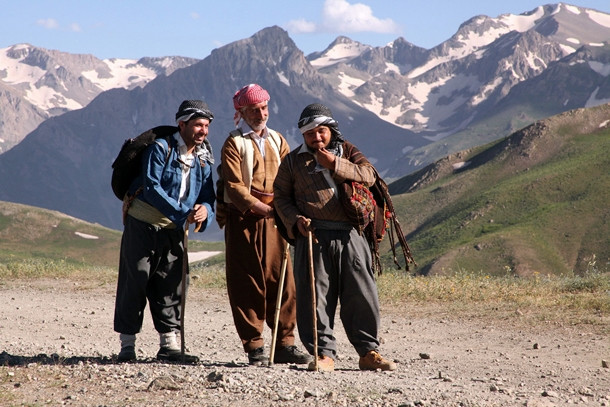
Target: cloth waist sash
{"x":149,"y":214}
{"x":330,"y":225}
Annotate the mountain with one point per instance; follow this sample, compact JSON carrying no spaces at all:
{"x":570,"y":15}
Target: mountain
{"x":532,"y":204}
{"x":36,"y":84}
{"x":402,"y":105}
{"x":65,"y":164}
{"x":477,"y":86}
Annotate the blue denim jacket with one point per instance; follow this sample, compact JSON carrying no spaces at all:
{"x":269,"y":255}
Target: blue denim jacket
{"x":161,"y":180}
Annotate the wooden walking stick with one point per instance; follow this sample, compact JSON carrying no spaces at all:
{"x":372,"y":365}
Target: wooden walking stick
{"x":313,"y":299}
{"x":278,"y":304}
{"x":185,"y":265}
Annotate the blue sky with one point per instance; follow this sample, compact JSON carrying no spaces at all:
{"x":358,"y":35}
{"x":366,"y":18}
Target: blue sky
{"x":134,"y":29}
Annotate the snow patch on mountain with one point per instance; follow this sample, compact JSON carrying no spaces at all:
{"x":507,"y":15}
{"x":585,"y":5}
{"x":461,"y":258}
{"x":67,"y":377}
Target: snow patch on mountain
{"x":600,"y":68}
{"x":13,"y":72}
{"x":523,"y":22}
{"x":283,"y":78}
{"x":594,"y":101}
{"x":341,"y":50}
{"x":600,"y":18}
{"x":347,"y":84}
{"x":123,"y":73}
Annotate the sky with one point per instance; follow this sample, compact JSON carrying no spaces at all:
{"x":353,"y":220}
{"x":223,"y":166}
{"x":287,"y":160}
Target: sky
{"x":155,"y":28}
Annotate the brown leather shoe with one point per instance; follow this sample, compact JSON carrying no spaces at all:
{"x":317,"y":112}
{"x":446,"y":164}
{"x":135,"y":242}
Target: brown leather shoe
{"x":373,"y":361}
{"x":325,"y":364}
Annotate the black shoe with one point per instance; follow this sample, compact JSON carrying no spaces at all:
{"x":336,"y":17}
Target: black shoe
{"x":127,"y":354}
{"x":257,"y":357}
{"x":290,"y":354}
{"x":174,"y":355}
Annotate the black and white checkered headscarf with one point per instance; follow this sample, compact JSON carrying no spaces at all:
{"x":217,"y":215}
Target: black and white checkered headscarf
{"x":316,"y":114}
{"x":192,"y":109}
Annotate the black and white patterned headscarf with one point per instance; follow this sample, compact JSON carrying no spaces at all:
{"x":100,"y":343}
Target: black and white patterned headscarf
{"x":316,"y":114}
{"x":192,"y":109}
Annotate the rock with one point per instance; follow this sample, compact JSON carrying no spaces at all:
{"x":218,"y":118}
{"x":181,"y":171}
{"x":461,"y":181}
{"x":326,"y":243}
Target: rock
{"x":163,"y":383}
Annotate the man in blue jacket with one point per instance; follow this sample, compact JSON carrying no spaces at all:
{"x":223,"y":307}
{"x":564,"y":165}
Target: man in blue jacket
{"x":174,"y":189}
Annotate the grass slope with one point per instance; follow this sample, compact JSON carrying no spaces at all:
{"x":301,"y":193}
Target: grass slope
{"x":533,"y":203}
{"x":38,"y":242}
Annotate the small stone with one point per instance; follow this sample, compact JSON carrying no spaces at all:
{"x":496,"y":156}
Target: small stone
{"x":424,"y":355}
{"x":605,"y":364}
{"x":163,"y":383}
{"x":311,"y":393}
{"x":215,"y":377}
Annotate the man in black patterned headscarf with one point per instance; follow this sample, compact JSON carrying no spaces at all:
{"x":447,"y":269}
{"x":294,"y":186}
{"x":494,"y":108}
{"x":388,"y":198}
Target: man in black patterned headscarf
{"x":306,"y":198}
{"x":174,"y":189}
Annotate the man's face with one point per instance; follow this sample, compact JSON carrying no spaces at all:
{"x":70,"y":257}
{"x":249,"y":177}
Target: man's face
{"x":318,"y":137}
{"x":256,"y":115}
{"x":194,"y":131}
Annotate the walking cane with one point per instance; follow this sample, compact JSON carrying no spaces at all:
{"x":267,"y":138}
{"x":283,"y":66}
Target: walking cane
{"x":278,"y":304}
{"x":185,"y":265}
{"x":313,"y":300}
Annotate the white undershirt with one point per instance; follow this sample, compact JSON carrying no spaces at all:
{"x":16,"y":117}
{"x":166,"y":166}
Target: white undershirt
{"x":259,"y":140}
{"x":186,"y":169}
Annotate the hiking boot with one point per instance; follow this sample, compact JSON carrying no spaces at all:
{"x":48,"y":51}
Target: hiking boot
{"x":290,"y":354}
{"x":373,"y":361}
{"x":325,"y":364}
{"x":175,"y":355}
{"x":127,"y":354}
{"x":257,"y":357}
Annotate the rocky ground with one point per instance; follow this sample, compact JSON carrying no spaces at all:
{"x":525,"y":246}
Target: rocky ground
{"x":57,"y":347}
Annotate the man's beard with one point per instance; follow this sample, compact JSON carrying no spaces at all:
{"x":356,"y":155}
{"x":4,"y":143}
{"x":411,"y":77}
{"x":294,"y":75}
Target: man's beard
{"x":258,"y":126}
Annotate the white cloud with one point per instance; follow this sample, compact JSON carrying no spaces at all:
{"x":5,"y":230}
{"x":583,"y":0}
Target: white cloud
{"x":49,"y":23}
{"x":195,"y":15}
{"x":75,"y":27}
{"x":301,"y":26}
{"x":341,"y":16}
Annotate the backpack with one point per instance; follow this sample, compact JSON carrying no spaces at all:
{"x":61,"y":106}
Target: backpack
{"x":127,"y":165}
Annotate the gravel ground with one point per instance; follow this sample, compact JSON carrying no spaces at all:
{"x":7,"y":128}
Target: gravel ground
{"x":57,"y":347}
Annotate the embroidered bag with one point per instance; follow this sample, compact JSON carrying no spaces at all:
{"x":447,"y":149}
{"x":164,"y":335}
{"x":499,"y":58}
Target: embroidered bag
{"x":358,"y":203}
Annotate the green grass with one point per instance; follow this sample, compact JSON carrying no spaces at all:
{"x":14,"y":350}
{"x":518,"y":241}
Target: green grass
{"x":569,"y":298}
{"x":572,"y":299}
{"x":522,"y":211}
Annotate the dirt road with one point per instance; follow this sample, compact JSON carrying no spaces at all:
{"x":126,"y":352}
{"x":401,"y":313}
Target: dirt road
{"x":57,"y":347}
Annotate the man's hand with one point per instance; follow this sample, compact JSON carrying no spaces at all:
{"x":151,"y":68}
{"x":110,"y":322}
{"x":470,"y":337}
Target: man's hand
{"x":326,"y":159}
{"x":198,"y":214}
{"x":262,"y":209}
{"x":303,"y":224}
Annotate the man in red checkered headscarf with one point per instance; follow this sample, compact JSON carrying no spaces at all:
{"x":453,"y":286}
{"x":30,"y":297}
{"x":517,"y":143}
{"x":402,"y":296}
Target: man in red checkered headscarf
{"x":250,"y":158}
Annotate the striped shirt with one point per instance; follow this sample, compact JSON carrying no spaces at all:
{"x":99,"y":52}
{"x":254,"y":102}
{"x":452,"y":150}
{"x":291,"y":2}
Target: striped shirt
{"x":302,"y":188}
